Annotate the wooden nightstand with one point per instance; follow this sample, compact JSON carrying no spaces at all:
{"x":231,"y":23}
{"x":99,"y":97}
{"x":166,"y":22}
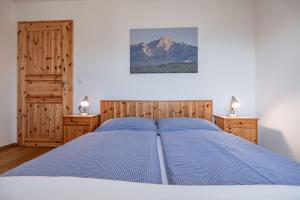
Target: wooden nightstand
{"x":244,"y":127}
{"x":77,"y":125}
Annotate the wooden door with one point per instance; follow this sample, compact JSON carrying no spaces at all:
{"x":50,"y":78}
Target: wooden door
{"x":45,"y":93}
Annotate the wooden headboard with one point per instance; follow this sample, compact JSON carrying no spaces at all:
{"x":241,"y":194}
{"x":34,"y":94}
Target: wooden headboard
{"x":156,"y":109}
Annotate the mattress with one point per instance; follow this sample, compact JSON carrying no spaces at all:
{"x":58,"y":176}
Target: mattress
{"x":122,"y":155}
{"x":74,"y":188}
{"x":211,"y":157}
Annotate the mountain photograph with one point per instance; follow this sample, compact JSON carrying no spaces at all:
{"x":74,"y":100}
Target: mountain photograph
{"x":164,"y":54}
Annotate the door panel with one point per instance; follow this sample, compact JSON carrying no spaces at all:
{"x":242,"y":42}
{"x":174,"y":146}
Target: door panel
{"x":44,"y":122}
{"x":44,"y":81}
{"x":44,"y":88}
{"x":44,"y":52}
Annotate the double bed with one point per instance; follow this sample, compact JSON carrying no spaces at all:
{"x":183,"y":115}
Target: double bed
{"x":156,"y":148}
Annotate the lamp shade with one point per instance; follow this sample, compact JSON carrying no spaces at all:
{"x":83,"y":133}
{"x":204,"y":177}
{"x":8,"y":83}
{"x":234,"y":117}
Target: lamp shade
{"x":85,"y":102}
{"x":235,"y":103}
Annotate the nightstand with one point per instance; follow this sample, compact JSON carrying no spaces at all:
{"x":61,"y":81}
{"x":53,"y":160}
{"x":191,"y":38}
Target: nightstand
{"x":77,"y":125}
{"x":244,"y":127}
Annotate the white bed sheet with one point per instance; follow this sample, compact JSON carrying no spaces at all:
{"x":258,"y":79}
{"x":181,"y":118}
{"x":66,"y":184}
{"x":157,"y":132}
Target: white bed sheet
{"x":163,"y":171}
{"x":72,"y":188}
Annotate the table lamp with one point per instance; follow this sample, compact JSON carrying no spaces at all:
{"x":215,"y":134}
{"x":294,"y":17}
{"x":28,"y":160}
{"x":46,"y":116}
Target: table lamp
{"x":84,"y":104}
{"x":234,"y":104}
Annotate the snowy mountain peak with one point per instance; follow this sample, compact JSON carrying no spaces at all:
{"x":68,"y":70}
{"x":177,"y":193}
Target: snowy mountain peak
{"x":165,"y":43}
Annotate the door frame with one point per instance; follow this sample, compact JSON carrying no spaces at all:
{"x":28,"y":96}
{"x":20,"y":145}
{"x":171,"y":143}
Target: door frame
{"x":67,"y":73}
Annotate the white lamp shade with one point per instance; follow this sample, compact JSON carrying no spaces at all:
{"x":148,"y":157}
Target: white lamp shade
{"x":235,"y":103}
{"x":85,"y":102}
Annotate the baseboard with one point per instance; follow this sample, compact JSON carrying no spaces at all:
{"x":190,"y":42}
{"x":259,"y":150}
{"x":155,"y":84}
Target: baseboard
{"x":9,"y":146}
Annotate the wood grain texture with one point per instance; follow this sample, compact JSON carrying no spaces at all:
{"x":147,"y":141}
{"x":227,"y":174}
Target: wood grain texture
{"x":13,"y":156}
{"x":156,"y":109}
{"x":9,"y":146}
{"x":67,"y":72}
{"x":244,"y":127}
{"x":21,"y":61}
{"x":115,"y":109}
{"x":196,"y":109}
{"x":77,"y":125}
{"x":45,"y":93}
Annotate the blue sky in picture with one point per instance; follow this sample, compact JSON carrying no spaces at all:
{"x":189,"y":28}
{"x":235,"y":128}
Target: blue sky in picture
{"x":186,"y":35}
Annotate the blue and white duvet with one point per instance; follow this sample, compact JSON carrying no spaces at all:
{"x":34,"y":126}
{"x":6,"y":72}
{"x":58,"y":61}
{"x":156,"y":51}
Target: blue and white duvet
{"x":208,"y":156}
{"x":123,"y":155}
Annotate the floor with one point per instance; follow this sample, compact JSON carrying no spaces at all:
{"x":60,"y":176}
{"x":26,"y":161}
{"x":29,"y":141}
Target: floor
{"x":14,"y":156}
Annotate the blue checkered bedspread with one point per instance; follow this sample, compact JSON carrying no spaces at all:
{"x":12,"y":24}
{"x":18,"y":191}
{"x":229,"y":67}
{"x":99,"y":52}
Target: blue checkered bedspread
{"x":211,"y":157}
{"x":123,"y":155}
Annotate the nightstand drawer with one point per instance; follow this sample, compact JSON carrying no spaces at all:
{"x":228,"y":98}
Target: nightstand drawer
{"x":76,"y":120}
{"x":246,"y":133}
{"x":240,"y":122}
{"x":72,"y":132}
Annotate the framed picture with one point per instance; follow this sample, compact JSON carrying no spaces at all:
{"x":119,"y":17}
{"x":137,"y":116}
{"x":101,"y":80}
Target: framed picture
{"x":164,"y":50}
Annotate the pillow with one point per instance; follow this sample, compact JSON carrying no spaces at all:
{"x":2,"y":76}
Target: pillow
{"x":173,"y":124}
{"x":128,"y":123}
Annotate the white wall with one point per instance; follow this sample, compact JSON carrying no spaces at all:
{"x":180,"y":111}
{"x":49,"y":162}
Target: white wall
{"x":7,"y":73}
{"x":101,"y":45}
{"x":278,"y":75}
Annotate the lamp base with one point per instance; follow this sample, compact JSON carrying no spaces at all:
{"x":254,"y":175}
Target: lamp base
{"x":232,"y":115}
{"x":84,"y":114}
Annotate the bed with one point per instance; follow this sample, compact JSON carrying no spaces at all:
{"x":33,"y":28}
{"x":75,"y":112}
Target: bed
{"x":122,"y":149}
{"x":197,"y":152}
{"x":131,"y":161}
